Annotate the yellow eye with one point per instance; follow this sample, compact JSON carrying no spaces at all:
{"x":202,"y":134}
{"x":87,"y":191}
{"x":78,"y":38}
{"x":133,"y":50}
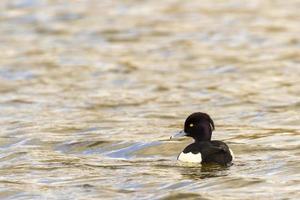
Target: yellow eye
{"x":191,"y":125}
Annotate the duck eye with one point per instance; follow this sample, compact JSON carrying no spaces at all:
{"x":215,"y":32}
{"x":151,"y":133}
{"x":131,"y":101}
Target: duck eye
{"x":191,"y":125}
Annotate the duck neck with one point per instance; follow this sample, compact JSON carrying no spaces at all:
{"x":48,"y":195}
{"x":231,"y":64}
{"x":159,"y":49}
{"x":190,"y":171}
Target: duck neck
{"x":197,"y":140}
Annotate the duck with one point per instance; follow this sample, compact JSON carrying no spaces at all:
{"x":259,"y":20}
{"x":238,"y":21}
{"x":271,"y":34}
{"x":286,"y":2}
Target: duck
{"x":203,"y":150}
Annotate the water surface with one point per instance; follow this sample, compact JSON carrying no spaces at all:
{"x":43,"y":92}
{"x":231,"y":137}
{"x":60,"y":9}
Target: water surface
{"x":90,"y":92}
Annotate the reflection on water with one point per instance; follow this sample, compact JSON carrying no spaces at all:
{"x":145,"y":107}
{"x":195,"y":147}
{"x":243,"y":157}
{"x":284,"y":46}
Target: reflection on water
{"x":92,"y":90}
{"x":202,"y":172}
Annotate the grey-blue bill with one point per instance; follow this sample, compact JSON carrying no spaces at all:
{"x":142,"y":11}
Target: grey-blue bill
{"x":178,"y":135}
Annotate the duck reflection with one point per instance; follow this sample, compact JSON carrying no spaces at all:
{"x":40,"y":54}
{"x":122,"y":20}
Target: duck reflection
{"x":203,"y":171}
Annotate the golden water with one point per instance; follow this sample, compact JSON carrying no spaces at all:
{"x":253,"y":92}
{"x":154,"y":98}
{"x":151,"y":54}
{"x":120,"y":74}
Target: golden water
{"x":91,"y":90}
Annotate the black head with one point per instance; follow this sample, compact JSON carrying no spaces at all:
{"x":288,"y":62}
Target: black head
{"x":199,"y":126}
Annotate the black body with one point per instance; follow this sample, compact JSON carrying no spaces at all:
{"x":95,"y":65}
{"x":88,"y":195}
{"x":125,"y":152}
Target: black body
{"x":211,"y":152}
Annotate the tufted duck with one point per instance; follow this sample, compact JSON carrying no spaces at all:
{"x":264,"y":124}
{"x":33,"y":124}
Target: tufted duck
{"x":199,"y":126}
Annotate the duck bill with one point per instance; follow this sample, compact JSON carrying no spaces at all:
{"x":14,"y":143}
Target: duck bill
{"x":178,"y":135}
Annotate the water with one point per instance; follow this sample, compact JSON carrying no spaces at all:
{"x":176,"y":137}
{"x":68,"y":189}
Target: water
{"x":90,"y":92}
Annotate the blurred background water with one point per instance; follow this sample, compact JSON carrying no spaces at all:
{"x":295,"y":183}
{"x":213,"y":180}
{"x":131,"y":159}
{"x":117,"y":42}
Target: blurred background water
{"x":91,"y":90}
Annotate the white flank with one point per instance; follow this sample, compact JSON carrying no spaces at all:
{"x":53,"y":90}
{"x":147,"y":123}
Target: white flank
{"x":232,"y":155}
{"x":190,"y":157}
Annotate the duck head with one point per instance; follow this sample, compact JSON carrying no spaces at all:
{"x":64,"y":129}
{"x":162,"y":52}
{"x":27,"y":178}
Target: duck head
{"x":199,"y":126}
